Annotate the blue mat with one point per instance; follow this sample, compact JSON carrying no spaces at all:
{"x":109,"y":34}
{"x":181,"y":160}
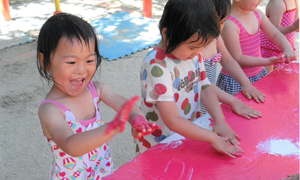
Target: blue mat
{"x":125,"y":33}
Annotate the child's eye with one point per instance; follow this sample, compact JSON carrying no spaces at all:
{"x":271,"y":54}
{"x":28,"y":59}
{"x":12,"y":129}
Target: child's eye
{"x":71,"y":62}
{"x":90,"y":61}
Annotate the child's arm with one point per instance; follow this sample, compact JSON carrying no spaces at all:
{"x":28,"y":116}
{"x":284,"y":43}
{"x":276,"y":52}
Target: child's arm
{"x":238,"y":106}
{"x":230,"y":35}
{"x":140,"y":127}
{"x":176,"y":123}
{"x":56,"y":128}
{"x":276,"y":9}
{"x":235,"y":71}
{"x":211,"y":103}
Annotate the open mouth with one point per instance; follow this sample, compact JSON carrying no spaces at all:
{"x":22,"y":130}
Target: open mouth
{"x":77,"y":83}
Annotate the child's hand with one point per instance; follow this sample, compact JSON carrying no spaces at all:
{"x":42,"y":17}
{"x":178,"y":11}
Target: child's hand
{"x":276,"y":60}
{"x":140,"y":127}
{"x":251,"y":92}
{"x":289,"y":55}
{"x":221,"y":145}
{"x":223,"y":129}
{"x":240,"y":108}
{"x":122,"y":117}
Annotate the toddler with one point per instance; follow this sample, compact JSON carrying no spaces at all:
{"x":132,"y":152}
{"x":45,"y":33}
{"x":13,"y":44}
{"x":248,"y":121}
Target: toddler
{"x":173,"y":79}
{"x":67,"y":57}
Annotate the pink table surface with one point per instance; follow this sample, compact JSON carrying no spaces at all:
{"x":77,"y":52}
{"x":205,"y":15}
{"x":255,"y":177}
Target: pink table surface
{"x":270,"y":143}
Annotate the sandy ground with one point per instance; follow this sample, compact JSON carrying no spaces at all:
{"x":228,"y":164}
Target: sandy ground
{"x":24,"y":153}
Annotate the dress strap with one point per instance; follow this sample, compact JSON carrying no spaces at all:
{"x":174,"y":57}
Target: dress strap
{"x":64,"y":108}
{"x":258,"y":17}
{"x":237,"y":22}
{"x":286,"y":8}
{"x":93,"y":90}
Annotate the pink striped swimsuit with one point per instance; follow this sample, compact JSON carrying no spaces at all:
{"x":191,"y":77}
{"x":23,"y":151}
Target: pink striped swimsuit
{"x":268,"y":48}
{"x":250,"y":45}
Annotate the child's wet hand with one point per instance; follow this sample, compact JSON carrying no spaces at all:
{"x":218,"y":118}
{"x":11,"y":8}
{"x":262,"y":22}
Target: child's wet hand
{"x":119,"y":122}
{"x":240,"y":108}
{"x":251,"y":92}
{"x":288,"y":56}
{"x":276,"y":60}
{"x":223,"y":130}
{"x":222,"y":145}
{"x":140,"y":127}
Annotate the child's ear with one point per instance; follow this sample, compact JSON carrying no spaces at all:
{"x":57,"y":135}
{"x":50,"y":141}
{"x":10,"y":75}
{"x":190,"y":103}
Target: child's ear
{"x":41,"y":59}
{"x":164,"y":34}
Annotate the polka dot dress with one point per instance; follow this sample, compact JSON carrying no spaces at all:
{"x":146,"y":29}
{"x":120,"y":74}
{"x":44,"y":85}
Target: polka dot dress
{"x":166,"y":78}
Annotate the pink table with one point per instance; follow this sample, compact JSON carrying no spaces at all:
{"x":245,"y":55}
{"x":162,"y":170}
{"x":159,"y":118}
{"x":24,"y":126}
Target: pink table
{"x":270,"y":143}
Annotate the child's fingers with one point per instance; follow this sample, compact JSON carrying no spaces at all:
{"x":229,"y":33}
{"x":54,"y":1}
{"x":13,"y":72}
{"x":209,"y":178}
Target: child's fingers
{"x":245,"y":115}
{"x":229,"y":152}
{"x":248,"y":96}
{"x":233,"y":140}
{"x":118,"y":123}
{"x":127,"y":107}
{"x":261,"y":97}
{"x":154,"y":126}
{"x":136,"y":134}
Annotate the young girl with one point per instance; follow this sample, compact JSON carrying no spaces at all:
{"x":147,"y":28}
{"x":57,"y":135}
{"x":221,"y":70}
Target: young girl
{"x":217,"y":52}
{"x":68,"y":56}
{"x":173,"y":77}
{"x":283,"y":14}
{"x":241,"y":34}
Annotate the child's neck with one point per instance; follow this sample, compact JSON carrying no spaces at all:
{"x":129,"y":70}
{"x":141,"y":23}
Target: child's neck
{"x":237,"y":10}
{"x":161,"y":45}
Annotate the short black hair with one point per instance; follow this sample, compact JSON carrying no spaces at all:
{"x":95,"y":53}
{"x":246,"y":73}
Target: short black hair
{"x":223,"y":8}
{"x":183,"y":18}
{"x":61,"y":26}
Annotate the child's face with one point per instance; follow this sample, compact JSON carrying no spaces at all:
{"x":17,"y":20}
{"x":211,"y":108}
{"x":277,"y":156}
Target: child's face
{"x":189,"y":48}
{"x":248,"y":5}
{"x":72,"y":66}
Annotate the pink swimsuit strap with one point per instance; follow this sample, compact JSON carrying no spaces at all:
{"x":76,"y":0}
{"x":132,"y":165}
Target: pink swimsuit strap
{"x":64,"y":108}
{"x":93,"y":90}
{"x":286,"y":8}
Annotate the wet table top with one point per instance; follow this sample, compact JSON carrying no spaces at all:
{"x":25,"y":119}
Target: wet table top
{"x":270,"y":143}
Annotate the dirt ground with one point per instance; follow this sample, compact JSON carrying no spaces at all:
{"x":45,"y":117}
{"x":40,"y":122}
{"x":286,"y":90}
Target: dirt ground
{"x":24,"y":153}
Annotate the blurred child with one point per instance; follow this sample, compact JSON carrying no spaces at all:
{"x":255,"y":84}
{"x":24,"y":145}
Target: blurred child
{"x":67,"y":57}
{"x":173,"y":78}
{"x":216,"y":52}
{"x":241,"y":35}
{"x":284,"y":15}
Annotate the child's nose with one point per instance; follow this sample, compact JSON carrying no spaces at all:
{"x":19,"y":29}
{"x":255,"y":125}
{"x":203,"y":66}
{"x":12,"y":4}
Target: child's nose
{"x":81,"y":69}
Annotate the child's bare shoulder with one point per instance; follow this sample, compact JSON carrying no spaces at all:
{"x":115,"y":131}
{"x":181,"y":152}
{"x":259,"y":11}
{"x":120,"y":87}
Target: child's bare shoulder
{"x":102,"y":87}
{"x":275,"y":5}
